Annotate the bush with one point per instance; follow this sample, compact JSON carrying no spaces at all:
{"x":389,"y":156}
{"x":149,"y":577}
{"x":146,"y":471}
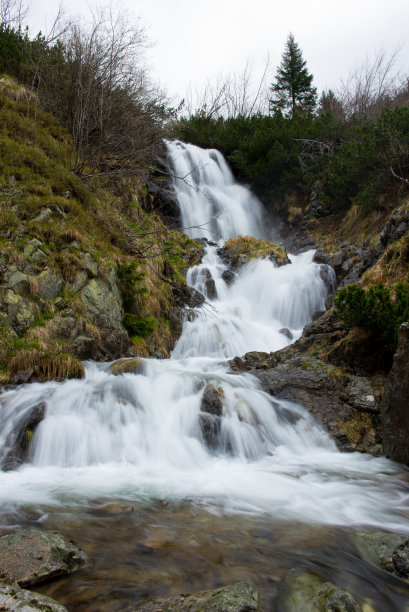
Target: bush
{"x":139,"y":326}
{"x":374,"y":310}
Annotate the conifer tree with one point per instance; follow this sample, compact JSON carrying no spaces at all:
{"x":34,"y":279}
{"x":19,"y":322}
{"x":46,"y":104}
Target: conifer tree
{"x":292,"y":92}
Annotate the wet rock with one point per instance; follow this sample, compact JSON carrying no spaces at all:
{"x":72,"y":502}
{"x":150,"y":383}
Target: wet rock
{"x":21,"y":437}
{"x":14,"y":599}
{"x":286,"y":332}
{"x":344,"y":404}
{"x":211,"y":289}
{"x":228,"y":276}
{"x":301,"y":591}
{"x":328,"y":277}
{"x":322,"y":258}
{"x":49,"y":284}
{"x":338,"y":259}
{"x":388,"y":551}
{"x":31,"y":556}
{"x":212,"y":400}
{"x":125,"y":366}
{"x":210,"y":428}
{"x":188,"y":296}
{"x":239,"y":597}
{"x":395,"y":402}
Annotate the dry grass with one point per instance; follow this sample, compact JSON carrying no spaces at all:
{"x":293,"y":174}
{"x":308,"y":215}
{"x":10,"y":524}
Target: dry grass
{"x":252,"y":247}
{"x":33,"y":286}
{"x":392,"y":267}
{"x":15,"y":91}
{"x":45,"y":367}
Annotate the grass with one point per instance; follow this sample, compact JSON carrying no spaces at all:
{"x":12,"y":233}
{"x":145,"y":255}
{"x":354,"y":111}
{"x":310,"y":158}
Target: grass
{"x":254,"y":248}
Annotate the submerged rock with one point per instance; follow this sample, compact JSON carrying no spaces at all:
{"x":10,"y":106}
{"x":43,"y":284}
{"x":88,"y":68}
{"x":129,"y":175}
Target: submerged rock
{"x":239,"y":597}
{"x":389,"y":551}
{"x":30,"y":556}
{"x":302,"y":591}
{"x":22,"y":436}
{"x":14,"y":599}
{"x":127,"y":366}
{"x":395,"y":402}
{"x":212,"y":400}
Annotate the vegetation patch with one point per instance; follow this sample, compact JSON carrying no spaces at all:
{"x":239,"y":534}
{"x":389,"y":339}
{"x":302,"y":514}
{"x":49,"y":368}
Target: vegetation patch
{"x":254,"y":248}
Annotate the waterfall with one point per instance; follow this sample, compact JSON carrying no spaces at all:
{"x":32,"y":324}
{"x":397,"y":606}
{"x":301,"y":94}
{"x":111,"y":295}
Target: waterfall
{"x":146,"y":435}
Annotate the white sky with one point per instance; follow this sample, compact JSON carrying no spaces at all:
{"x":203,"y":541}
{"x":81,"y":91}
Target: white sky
{"x":198,"y":39}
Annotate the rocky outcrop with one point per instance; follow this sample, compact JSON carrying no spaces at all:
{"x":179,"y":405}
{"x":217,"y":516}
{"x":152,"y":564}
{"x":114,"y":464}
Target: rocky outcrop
{"x":395,"y":402}
{"x":20,"y":438}
{"x":31,"y":556}
{"x":302,"y":591}
{"x":14,"y":599}
{"x":239,"y":597}
{"x":346,"y":405}
{"x":238,"y":251}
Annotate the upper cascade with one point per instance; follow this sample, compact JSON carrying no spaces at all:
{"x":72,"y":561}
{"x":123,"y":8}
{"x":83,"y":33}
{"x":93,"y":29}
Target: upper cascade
{"x":211,"y":202}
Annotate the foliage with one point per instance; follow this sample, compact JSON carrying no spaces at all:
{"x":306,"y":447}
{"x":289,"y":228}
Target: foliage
{"x":138,"y":325}
{"x":292,"y":92}
{"x":374,"y":309}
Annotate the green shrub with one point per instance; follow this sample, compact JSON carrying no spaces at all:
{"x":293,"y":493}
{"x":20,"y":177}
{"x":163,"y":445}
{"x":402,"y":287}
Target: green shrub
{"x":139,"y":326}
{"x":374,"y":309}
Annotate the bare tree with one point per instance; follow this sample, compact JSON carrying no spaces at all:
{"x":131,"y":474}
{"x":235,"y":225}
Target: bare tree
{"x":13,"y":13}
{"x":372,"y":87}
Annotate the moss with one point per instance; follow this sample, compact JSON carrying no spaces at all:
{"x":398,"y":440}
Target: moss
{"x":254,"y":248}
{"x":138,"y":325}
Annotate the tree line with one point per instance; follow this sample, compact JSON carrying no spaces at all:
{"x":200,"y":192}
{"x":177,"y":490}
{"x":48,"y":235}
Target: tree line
{"x":348,"y":148}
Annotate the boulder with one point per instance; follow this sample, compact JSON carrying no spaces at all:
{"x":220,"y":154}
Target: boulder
{"x":302,"y":591}
{"x":14,"y":599}
{"x":19,"y":283}
{"x":20,"y":438}
{"x":20,"y":312}
{"x":49,"y":284}
{"x":389,"y":551}
{"x":212,"y":400}
{"x":210,"y":428}
{"x":127,"y":366}
{"x":31,"y":556}
{"x":395,"y":402}
{"x":239,"y":597}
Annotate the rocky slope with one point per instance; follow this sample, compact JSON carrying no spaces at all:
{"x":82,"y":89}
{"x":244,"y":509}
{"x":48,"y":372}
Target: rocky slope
{"x":85,"y":271}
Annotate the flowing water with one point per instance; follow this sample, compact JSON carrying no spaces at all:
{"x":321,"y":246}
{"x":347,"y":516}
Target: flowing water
{"x":121,"y":463}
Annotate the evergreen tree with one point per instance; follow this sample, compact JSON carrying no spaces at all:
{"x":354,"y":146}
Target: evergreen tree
{"x":292,"y":90}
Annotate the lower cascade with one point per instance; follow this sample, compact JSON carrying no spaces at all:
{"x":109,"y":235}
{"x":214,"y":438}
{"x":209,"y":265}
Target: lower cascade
{"x":187,"y":431}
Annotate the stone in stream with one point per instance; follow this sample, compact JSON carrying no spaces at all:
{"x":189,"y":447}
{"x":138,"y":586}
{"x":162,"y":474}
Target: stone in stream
{"x":22,"y":436}
{"x":302,"y":591}
{"x":211,"y":411}
{"x":389,"y":551}
{"x":14,"y":599}
{"x":30,"y":556}
{"x":239,"y":597}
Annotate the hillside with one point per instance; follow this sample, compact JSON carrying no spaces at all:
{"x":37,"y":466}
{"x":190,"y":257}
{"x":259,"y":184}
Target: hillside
{"x":85,"y":272}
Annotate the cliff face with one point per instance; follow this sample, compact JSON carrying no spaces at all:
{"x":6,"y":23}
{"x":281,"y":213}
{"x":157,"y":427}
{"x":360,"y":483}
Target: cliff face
{"x":85,"y":271}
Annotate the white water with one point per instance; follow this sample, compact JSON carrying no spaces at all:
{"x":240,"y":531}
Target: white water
{"x":138,"y":437}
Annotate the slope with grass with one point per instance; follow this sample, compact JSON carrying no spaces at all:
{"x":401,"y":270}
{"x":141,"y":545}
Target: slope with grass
{"x":85,"y":271}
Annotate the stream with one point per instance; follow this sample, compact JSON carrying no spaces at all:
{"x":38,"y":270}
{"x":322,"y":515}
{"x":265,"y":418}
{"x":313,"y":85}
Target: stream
{"x":121,"y":464}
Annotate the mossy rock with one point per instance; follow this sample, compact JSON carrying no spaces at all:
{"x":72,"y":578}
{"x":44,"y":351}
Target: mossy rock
{"x":127,"y":366}
{"x":238,"y":251}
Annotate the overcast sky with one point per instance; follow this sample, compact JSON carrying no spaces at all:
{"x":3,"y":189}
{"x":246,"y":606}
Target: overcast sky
{"x":198,"y":39}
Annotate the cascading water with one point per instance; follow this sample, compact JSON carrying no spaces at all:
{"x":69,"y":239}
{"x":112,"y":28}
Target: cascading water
{"x":140,"y":437}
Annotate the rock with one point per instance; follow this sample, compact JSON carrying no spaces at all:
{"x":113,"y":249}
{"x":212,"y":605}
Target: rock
{"x":338,"y":258}
{"x":239,"y":597}
{"x":49,"y":284}
{"x":328,"y":277}
{"x":395,"y":402}
{"x":19,"y":283}
{"x":210,"y":428}
{"x":212,"y":400}
{"x":322,"y":258}
{"x":44,"y":215}
{"x":254,"y":360}
{"x":286,"y":332}
{"x":301,"y":591}
{"x":14,"y":599}
{"x":20,"y":312}
{"x":388,"y":551}
{"x":184,"y":295}
{"x":20,"y":438}
{"x":228,"y":276}
{"x":79,"y":281}
{"x":31,"y":556}
{"x":84,"y":347}
{"x":211,"y":289}
{"x":89,"y":265}
{"x":127,"y":366}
